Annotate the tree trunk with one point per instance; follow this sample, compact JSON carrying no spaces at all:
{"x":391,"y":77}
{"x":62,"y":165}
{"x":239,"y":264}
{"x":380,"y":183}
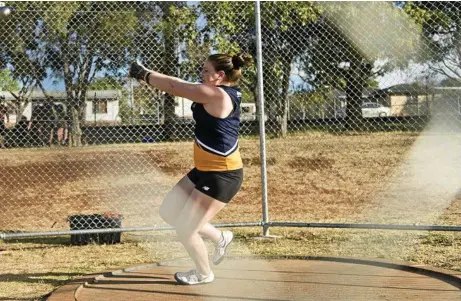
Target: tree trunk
{"x":76,"y":133}
{"x":356,"y":82}
{"x":76,"y":113}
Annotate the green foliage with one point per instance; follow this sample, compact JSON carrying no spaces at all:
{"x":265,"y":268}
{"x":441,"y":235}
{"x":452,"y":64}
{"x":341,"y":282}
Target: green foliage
{"x":81,"y":41}
{"x":227,"y":25}
{"x":20,"y":49}
{"x":284,"y":16}
{"x":372,"y":83}
{"x":433,"y":16}
{"x":7,"y":83}
{"x":441,"y":23}
{"x":146,"y":101}
{"x":85,"y":38}
{"x":161,"y":27}
{"x":230,"y":28}
{"x":353,"y":33}
{"x":106,"y":83}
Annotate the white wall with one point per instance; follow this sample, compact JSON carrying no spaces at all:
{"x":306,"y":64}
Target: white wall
{"x":113,"y":109}
{"x":112,"y":96}
{"x":27,"y":113}
{"x":183,"y":107}
{"x":111,"y":115}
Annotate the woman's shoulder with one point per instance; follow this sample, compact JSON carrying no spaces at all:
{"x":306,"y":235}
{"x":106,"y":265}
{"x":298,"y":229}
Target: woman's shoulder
{"x":232,"y":90}
{"x":236,"y":87}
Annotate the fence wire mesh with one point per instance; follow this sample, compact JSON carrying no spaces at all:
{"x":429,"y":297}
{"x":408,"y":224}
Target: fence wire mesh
{"x":360,"y":97}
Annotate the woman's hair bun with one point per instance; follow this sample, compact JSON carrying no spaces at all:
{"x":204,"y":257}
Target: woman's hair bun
{"x":242,"y":59}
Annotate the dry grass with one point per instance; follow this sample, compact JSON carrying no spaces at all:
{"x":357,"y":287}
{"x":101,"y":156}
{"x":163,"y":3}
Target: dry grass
{"x":313,"y":177}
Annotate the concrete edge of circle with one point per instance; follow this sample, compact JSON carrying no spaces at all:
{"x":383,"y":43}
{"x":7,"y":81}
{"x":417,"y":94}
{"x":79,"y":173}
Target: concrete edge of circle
{"x":70,"y":291}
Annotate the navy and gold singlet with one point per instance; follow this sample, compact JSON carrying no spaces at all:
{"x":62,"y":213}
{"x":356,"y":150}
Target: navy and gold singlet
{"x":216,"y":139}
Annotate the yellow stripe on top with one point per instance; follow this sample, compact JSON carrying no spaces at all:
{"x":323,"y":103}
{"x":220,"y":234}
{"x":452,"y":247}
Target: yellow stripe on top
{"x":206,"y":161}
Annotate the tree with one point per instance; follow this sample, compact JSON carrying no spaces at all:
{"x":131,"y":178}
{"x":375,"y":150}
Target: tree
{"x":7,"y":82}
{"x":334,"y":44}
{"x":441,"y":27}
{"x":229,"y":28}
{"x":282,"y":41}
{"x":106,"y":83}
{"x":20,"y":52}
{"x":350,"y":38}
{"x":164,"y":29}
{"x":450,"y":82}
{"x":82,"y":40}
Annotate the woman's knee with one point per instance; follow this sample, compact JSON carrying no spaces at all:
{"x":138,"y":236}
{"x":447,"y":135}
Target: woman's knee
{"x":175,"y":200}
{"x":184,"y":233}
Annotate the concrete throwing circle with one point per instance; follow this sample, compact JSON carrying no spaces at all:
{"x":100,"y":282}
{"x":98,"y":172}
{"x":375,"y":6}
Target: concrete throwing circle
{"x":277,"y":279}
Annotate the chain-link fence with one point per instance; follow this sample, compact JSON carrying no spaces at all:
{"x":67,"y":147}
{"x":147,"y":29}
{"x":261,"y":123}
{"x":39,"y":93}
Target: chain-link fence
{"x":359,"y":98}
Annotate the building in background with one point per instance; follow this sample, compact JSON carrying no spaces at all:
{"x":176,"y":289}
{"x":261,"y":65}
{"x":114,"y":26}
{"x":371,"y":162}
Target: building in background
{"x":102,"y":106}
{"x":183,"y":109}
{"x":405,"y":99}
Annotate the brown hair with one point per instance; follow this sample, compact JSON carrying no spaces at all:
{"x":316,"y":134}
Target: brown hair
{"x":231,"y":65}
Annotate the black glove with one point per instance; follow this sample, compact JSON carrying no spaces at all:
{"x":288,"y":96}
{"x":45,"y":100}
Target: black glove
{"x":139,"y":72}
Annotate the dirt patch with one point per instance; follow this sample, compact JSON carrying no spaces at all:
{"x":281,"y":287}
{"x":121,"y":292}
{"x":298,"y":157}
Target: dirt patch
{"x":319,"y":163}
{"x":256,"y":161}
{"x":168,"y":161}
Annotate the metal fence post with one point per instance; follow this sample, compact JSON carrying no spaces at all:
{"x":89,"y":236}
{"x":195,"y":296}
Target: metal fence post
{"x":261,"y":116}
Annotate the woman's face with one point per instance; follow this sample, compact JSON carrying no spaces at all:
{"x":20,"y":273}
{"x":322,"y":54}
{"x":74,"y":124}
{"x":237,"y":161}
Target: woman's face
{"x":210,"y":76}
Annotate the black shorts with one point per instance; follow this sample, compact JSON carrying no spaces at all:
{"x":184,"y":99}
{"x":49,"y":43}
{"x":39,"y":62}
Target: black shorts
{"x":220,"y":185}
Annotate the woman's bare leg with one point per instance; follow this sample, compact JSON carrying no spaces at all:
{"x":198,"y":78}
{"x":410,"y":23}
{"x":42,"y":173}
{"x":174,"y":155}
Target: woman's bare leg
{"x":197,"y":212}
{"x":174,"y":203}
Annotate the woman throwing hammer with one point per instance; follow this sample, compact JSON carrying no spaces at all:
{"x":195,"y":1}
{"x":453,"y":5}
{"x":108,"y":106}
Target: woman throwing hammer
{"x":218,"y":172}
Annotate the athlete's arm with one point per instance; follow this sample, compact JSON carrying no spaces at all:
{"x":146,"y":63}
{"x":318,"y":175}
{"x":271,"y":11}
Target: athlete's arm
{"x":196,"y":92}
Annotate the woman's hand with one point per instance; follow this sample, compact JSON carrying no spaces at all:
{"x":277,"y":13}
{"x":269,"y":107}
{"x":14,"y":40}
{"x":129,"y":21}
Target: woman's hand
{"x":139,"y":72}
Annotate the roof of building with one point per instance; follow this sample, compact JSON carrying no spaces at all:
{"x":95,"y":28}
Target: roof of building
{"x":91,"y":94}
{"x":406,"y":89}
{"x":342,"y":94}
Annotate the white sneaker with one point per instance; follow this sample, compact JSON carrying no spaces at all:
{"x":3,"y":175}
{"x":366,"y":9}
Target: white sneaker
{"x":221,"y":247}
{"x":193,"y":277}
